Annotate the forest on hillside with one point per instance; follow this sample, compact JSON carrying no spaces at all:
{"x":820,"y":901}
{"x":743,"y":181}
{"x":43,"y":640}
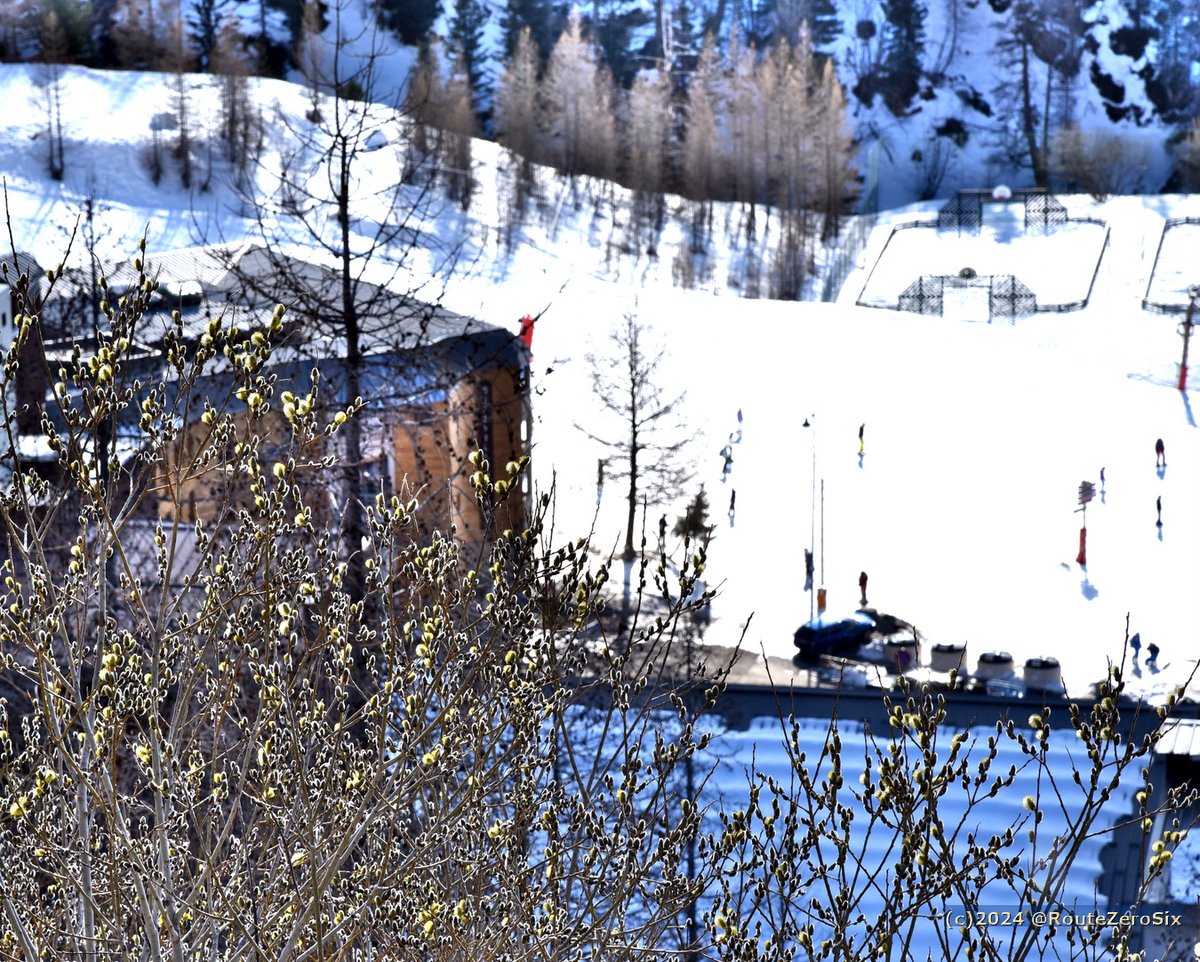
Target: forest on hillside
{"x":789,"y":104}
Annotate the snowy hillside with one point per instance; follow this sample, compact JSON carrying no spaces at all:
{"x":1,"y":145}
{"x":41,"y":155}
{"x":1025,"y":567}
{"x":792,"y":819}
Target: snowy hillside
{"x":959,"y":129}
{"x":977,"y":435}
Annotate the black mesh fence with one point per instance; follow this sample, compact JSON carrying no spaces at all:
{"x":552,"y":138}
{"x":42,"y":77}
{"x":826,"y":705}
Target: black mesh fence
{"x":1007,"y":296}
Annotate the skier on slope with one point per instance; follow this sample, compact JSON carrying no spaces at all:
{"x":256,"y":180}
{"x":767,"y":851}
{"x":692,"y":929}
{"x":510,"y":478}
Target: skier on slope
{"x":727,"y":454}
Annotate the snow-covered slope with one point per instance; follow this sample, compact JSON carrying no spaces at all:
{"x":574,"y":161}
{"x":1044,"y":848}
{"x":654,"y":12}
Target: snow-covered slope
{"x":977,"y":436}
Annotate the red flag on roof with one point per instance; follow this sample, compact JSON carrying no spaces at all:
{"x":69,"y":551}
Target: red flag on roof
{"x":526,"y":335}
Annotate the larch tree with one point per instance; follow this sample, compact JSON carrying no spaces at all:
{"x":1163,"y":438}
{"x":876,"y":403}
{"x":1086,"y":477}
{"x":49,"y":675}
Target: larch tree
{"x":177,"y":58}
{"x":135,"y":32}
{"x":320,"y":195}
{"x":702,"y":160}
{"x":459,"y":124}
{"x":647,"y":128}
{"x":55,"y":51}
{"x":440,"y":105}
{"x":516,"y":104}
{"x":647,"y":439}
{"x":836,"y":139}
{"x":515,"y":117}
{"x":745,"y":121}
{"x":241,"y":129}
{"x":577,"y":102}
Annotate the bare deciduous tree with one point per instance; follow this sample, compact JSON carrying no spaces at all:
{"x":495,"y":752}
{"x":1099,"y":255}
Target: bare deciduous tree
{"x":187,"y":765}
{"x":1100,"y":163}
{"x":647,"y":440}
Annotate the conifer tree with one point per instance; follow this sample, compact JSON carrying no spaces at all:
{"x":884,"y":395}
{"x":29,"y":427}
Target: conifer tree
{"x":903,"y":52}
{"x":204,"y":25}
{"x":466,"y":44}
{"x":75,"y":21}
{"x":613,"y":25}
{"x":410,"y":20}
{"x":693,"y":523}
{"x":540,"y":17}
{"x":820,"y":17}
{"x":685,"y":43}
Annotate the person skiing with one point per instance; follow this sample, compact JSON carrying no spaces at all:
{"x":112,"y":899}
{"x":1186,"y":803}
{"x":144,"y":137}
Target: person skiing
{"x":732,"y":503}
{"x":861,"y":428}
{"x":1160,"y":454}
{"x":1135,"y":644}
{"x":1152,"y":655}
{"x":808,"y":570}
{"x":662,"y":529}
{"x":862,"y":586}
{"x":1158,"y":507}
{"x":1102,"y":477}
{"x":727,"y":454}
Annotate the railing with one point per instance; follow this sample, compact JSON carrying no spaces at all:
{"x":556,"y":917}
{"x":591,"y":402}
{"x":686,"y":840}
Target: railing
{"x":851,"y":242}
{"x":1158,"y":307}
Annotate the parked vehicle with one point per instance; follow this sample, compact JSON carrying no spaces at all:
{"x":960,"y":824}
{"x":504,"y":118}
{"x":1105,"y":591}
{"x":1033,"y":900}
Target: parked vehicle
{"x":836,"y":636}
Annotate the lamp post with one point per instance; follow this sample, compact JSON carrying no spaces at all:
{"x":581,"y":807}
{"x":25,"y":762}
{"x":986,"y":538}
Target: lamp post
{"x":1185,"y":329}
{"x":1087,"y":491}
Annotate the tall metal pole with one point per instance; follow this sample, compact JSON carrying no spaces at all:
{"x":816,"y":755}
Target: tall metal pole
{"x":822,"y":579}
{"x":812,"y":537}
{"x":1186,"y":331}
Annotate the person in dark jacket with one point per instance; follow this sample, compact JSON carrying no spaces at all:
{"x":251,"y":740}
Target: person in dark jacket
{"x":1160,"y":454}
{"x":862,"y":586}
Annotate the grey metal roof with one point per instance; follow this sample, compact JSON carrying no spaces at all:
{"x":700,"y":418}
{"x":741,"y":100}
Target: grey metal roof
{"x":245,"y":284}
{"x":1181,"y":737}
{"x":13,"y":264}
